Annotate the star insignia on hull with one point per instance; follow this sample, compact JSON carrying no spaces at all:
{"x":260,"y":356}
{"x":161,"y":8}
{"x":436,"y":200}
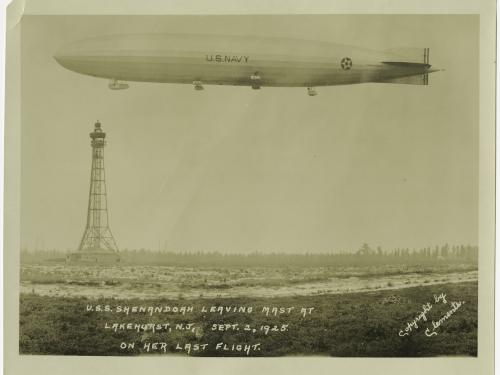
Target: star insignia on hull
{"x":346,"y":63}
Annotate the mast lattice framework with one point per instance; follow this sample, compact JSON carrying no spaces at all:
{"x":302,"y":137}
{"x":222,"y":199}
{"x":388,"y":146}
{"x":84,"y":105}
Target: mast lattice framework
{"x":97,"y":236}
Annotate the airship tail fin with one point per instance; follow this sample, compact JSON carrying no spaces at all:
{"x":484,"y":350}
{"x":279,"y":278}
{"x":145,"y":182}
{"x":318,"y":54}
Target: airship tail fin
{"x":422,"y":79}
{"x":410,"y":58}
{"x":410,"y":55}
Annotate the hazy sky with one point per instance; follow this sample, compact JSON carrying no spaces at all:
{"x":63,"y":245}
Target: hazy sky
{"x":237,"y":170}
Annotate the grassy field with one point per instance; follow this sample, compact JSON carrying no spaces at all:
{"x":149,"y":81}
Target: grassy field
{"x":153,"y":282}
{"x":344,"y":325}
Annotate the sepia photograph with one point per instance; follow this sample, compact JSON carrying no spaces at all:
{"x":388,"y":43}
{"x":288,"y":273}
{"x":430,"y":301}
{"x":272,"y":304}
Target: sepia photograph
{"x":249,"y":185}
{"x":247,"y":189}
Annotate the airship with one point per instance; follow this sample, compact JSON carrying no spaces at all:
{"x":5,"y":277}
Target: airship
{"x":255,"y":62}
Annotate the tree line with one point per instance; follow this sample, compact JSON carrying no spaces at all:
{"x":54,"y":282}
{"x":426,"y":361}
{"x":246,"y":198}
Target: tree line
{"x":365,"y":255}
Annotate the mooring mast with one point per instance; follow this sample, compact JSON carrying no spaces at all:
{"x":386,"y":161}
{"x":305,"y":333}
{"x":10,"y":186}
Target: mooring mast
{"x":97,"y":237}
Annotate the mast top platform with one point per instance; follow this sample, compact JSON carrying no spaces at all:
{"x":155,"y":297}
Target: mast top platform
{"x":97,"y":133}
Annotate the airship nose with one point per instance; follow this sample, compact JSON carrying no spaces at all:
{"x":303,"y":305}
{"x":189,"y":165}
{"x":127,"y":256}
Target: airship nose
{"x":76,"y":56}
{"x":91,"y":49}
{"x":59,"y":57}
{"x":65,"y":54}
{"x":99,"y":56}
